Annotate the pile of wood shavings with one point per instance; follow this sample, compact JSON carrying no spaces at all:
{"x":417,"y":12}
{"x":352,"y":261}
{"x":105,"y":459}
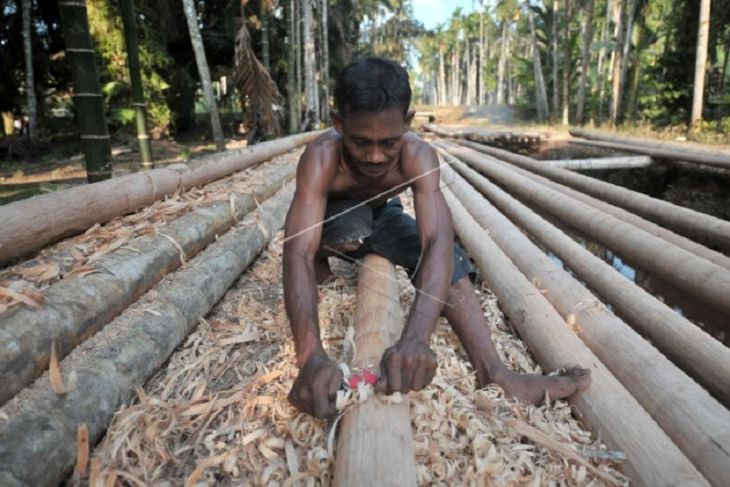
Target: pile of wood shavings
{"x":24,"y":282}
{"x":218,"y":414}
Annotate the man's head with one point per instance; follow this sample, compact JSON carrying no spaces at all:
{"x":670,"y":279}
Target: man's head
{"x":372,"y":98}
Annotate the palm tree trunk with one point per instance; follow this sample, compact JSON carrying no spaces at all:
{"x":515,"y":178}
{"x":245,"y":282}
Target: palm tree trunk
{"x":633,"y":8}
{"x":616,"y":81}
{"x":700,"y":64}
{"x":566,"y":64}
{"x":540,"y":92}
{"x":442,"y":79}
{"x":633,"y":104}
{"x":130,"y":37}
{"x":291,"y":71}
{"x":502,"y":67}
{"x":29,"y":74}
{"x":298,"y":29}
{"x":265,"y":56}
{"x":601,"y":63}
{"x":556,"y":86}
{"x":586,"y":61}
{"x":311,"y":110}
{"x":197,"y":42}
{"x":481,"y":86}
{"x":87,"y":97}
{"x":323,"y":29}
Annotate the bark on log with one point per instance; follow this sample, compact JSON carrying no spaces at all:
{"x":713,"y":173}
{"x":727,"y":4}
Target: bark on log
{"x":37,"y":441}
{"x":375,"y":442}
{"x":662,"y":150}
{"x":704,"y":280}
{"x":602,"y":163}
{"x":668,"y":235}
{"x":29,"y":225}
{"x":697,"y":423}
{"x":77,"y":307}
{"x":704,"y":358}
{"x":606,"y":406}
{"x":701,"y":227}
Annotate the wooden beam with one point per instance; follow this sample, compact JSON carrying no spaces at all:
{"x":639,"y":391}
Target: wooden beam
{"x":375,"y":442}
{"x":674,"y":238}
{"x":29,"y":225}
{"x":704,"y":358}
{"x":77,"y":307}
{"x":696,"y":422}
{"x":706,"y":229}
{"x":40,"y":429}
{"x":660,"y":150}
{"x":602,"y":163}
{"x":702,"y":279}
{"x":606,"y":406}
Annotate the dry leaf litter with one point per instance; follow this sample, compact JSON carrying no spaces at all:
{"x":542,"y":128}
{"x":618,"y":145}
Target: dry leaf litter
{"x":217,"y":414}
{"x":24,"y":282}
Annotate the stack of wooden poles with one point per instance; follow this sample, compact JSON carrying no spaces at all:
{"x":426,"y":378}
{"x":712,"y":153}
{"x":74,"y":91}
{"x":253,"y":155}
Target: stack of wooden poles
{"x":162,"y":300}
{"x":661,"y":385}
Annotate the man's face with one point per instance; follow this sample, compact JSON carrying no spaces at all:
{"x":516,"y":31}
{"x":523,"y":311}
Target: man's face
{"x":372,"y":141}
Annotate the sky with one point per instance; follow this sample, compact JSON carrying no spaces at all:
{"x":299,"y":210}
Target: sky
{"x":434,"y":12}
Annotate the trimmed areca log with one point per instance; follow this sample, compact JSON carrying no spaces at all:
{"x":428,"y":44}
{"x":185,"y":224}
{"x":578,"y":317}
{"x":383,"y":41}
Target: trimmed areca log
{"x":701,"y":227}
{"x":28,"y":225}
{"x":606,"y":406}
{"x":671,"y":237}
{"x":87,"y":96}
{"x":375,"y":443}
{"x":41,"y":428}
{"x":696,"y":422}
{"x":126,"y":8}
{"x":602,"y":163}
{"x":77,"y":307}
{"x":704,"y":280}
{"x":700,"y":355}
{"x":660,"y":150}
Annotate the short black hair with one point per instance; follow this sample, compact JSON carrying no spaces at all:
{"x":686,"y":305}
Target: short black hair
{"x":372,"y":84}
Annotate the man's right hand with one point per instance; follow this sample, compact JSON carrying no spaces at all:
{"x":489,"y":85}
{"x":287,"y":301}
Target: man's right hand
{"x":315,"y":388}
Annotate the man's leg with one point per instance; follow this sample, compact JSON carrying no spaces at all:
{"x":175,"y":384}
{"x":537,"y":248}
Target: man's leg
{"x":466,"y":318}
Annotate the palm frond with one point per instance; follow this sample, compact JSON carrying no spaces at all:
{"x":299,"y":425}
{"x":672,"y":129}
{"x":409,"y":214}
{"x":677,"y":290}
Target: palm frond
{"x":259,"y":93}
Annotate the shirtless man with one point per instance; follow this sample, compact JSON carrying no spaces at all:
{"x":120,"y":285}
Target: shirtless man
{"x":345,"y":205}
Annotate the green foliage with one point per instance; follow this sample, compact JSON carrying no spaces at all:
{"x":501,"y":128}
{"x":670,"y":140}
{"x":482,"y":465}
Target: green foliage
{"x":106,"y":29}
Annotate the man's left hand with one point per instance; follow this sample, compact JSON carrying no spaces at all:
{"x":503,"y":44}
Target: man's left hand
{"x":409,"y":365}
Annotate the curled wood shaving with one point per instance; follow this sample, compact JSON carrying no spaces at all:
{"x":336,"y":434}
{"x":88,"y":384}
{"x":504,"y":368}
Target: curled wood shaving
{"x":54,"y":372}
{"x":82,"y":451}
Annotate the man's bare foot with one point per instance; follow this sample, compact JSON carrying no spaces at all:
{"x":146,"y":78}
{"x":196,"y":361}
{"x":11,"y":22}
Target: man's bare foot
{"x":322,"y":270}
{"x":532,"y":388}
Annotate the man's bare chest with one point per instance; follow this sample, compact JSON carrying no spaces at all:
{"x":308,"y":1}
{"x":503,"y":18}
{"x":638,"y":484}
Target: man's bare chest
{"x":345,"y":185}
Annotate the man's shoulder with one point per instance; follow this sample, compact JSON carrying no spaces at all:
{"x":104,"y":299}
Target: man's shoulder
{"x":417,"y":154}
{"x":326,"y":145}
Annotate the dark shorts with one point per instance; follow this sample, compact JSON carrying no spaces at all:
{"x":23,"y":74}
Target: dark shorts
{"x":387,"y":231}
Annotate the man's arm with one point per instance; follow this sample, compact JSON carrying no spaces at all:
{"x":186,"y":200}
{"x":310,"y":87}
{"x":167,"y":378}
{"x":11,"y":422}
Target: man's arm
{"x":410,"y":364}
{"x":315,"y":389}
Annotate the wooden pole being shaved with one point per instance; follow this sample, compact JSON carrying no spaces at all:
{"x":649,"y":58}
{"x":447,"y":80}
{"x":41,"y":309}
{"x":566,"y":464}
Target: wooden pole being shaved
{"x":606,"y":406}
{"x":375,"y":443}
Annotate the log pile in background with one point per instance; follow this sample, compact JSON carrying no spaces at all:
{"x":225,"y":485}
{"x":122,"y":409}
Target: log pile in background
{"x":653,"y":459}
{"x":28,"y":225}
{"x":696,"y":422}
{"x":704,"y":280}
{"x":40,"y":425}
{"x":515,"y":140}
{"x":706,"y":229}
{"x":75,"y":308}
{"x":660,"y":150}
